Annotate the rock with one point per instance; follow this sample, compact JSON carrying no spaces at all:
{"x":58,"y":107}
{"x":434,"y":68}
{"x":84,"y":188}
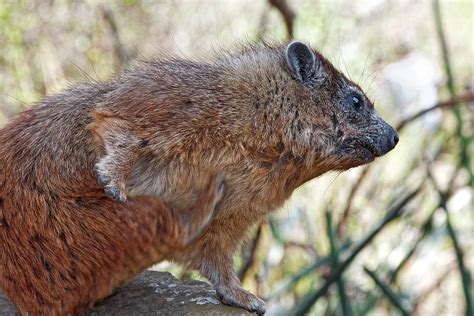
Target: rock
{"x":6,"y":307}
{"x":155,"y":293}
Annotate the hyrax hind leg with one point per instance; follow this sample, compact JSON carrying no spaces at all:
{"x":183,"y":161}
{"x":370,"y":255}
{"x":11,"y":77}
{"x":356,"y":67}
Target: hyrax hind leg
{"x":121,"y":149}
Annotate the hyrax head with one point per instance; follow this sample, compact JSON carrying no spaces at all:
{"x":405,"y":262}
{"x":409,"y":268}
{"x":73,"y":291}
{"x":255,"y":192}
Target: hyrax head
{"x":330,"y":120}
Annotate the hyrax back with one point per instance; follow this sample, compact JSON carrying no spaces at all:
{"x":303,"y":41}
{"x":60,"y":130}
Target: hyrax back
{"x":268,"y":118}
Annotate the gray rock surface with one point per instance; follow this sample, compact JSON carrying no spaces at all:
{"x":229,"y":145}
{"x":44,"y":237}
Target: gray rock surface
{"x":155,"y":293}
{"x":6,"y":307}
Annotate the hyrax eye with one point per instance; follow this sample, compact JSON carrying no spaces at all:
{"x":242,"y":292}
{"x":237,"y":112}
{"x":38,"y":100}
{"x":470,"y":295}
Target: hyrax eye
{"x":355,"y":101}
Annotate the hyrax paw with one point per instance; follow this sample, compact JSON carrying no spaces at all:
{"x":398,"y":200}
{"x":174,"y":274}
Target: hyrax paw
{"x":103,"y":178}
{"x":241,"y":298}
{"x":115,"y":193}
{"x":111,"y":189}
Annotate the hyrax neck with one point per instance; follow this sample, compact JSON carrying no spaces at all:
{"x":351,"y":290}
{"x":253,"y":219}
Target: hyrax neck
{"x":251,"y":183}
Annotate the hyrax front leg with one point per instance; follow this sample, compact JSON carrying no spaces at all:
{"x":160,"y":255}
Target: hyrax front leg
{"x":121,"y":150}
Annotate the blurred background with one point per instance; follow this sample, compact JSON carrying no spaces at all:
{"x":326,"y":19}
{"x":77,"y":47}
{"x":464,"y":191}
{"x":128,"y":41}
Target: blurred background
{"x":394,"y":237}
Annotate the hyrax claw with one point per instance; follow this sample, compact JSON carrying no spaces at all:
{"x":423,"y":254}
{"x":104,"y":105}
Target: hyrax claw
{"x":237,"y":296}
{"x":103,"y":179}
{"x":115,"y":193}
{"x":111,"y":189}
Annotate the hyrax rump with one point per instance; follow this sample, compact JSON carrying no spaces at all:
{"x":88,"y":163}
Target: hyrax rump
{"x":267,"y":118}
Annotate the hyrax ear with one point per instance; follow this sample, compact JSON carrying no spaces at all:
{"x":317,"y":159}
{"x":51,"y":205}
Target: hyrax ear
{"x":302,"y":61}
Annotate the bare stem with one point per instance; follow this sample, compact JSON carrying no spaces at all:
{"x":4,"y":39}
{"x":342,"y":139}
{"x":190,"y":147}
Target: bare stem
{"x":304,"y":305}
{"x":287,"y":13}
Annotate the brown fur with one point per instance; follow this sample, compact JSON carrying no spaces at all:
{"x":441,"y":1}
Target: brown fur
{"x":258,"y":117}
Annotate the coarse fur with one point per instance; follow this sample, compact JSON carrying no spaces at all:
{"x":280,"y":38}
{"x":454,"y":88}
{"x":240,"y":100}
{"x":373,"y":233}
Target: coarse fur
{"x":268,"y":118}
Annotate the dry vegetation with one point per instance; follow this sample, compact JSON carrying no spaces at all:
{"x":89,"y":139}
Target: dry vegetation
{"x":396,"y":236}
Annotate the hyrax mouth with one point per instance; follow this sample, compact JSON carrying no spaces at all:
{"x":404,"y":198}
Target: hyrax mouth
{"x":371,"y":149}
{"x":356,"y":152}
{"x":369,"y":152}
{"x":356,"y":147}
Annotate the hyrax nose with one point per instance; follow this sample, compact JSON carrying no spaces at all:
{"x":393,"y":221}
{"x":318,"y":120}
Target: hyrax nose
{"x":392,"y":139}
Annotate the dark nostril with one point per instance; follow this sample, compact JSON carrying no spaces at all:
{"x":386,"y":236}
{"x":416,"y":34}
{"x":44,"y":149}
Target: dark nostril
{"x":395,"y":139}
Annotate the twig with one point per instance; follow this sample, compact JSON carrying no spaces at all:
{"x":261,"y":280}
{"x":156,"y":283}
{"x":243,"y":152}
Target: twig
{"x":305,"y":304}
{"x":466,"y":97}
{"x":287,"y":13}
{"x":444,"y":46}
{"x":341,"y":227}
{"x":465,"y":275}
{"x":427,"y":227}
{"x":464,"y":272}
{"x":306,"y":247}
{"x":389,"y":293}
{"x":463,"y":140}
{"x":289,"y":284}
{"x":249,"y":259}
{"x":346,"y":306}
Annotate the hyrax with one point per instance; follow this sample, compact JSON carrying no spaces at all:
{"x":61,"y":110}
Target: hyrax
{"x":267,"y":119}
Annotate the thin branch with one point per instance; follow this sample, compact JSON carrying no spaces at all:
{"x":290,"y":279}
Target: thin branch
{"x":306,"y":247}
{"x":289,"y":284}
{"x":304,"y":305}
{"x":444,"y":46}
{"x":466,"y":280}
{"x":287,"y":13}
{"x":464,"y":157}
{"x":465,"y":274}
{"x":249,"y":259}
{"x":346,"y":306}
{"x":427,"y":228}
{"x":466,"y":97}
{"x":341,"y":227}
{"x":389,"y":293}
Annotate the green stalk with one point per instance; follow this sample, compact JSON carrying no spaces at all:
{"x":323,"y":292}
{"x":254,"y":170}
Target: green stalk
{"x":304,"y":305}
{"x":345,"y":304}
{"x":392,"y":296}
